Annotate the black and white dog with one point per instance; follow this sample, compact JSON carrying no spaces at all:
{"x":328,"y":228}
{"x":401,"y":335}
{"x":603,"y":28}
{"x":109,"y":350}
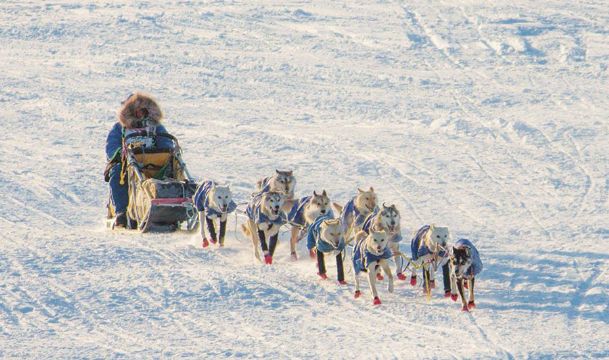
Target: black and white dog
{"x":213,"y":202}
{"x":465,"y":265}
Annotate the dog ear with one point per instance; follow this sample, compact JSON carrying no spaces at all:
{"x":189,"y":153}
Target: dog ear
{"x":360,"y":190}
{"x":289,"y":173}
{"x":385,"y":206}
{"x":371,"y":189}
{"x":277,"y":172}
{"x":324,"y":193}
{"x":315,"y":193}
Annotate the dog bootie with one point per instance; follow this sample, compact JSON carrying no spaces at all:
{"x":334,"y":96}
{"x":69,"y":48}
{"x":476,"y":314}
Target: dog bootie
{"x":342,"y":282}
{"x":471,"y":305}
{"x":464,"y":308}
{"x":213,"y":241}
{"x":454,"y":297}
{"x":401,"y":276}
{"x":376,"y":301}
{"x":323,"y":276}
{"x":357,"y":294}
{"x":446,"y":293}
{"x":413,"y":280}
{"x":268,"y":259}
{"x":380,"y":277}
{"x":205,"y":243}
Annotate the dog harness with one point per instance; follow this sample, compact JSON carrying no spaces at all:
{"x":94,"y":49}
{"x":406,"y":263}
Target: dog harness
{"x":418,"y":250}
{"x":358,"y":218}
{"x":476,"y":266}
{"x":394,"y":237}
{"x":202,"y":203}
{"x":362,"y":256}
{"x":314,"y":239}
{"x":254,"y":212}
{"x":296,"y":216}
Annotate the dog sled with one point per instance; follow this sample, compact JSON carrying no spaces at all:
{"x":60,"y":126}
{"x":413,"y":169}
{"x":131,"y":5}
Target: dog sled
{"x":159,"y":185}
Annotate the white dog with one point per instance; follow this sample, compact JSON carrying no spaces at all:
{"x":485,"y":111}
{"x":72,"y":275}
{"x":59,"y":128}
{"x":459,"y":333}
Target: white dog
{"x":325,"y":238}
{"x":213,"y":202}
{"x":304,"y":212}
{"x":368,"y":254}
{"x":429,"y":251}
{"x":265,"y":217}
{"x":388,"y":220}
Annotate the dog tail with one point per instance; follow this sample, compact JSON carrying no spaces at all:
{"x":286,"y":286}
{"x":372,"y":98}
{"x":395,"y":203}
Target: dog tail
{"x":338,"y":207}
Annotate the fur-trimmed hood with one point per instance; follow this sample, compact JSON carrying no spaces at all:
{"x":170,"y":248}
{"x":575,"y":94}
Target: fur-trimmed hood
{"x":126,"y":114}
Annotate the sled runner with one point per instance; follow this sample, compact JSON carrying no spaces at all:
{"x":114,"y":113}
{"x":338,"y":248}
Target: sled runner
{"x":160,"y":187}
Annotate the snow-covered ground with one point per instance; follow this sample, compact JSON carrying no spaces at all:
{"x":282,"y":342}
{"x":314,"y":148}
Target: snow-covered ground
{"x":487,"y":117}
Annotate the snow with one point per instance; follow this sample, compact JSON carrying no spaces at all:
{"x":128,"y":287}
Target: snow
{"x":488,"y":118}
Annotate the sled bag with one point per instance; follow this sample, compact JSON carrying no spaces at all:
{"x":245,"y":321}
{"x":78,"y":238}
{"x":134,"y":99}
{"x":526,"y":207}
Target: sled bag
{"x":162,"y":189}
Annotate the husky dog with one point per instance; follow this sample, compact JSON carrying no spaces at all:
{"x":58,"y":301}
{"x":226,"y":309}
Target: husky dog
{"x":213,"y":202}
{"x":465,"y":264}
{"x":429,"y":250}
{"x":387,"y":219}
{"x":368,"y":254}
{"x":265,"y":217}
{"x":325,"y":237}
{"x":355,"y":211}
{"x":282,"y":182}
{"x":304,"y":212}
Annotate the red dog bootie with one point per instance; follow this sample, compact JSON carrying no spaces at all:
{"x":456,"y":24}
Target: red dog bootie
{"x":268,"y":259}
{"x":357,"y":294}
{"x":454,"y":297}
{"x":376,"y":301}
{"x":471,"y":305}
{"x":205,"y":243}
{"x":380,"y":277}
{"x":342,"y":282}
{"x":401,"y":276}
{"x":465,"y":309}
{"x":413,"y":280}
{"x":323,"y":276}
{"x":446,"y":293}
{"x":213,"y":241}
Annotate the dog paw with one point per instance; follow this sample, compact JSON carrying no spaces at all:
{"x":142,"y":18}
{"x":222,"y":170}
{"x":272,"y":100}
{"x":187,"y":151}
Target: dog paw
{"x":401,"y":276}
{"x":268,"y":259}
{"x":213,"y":241}
{"x":293,"y":256}
{"x":205,"y":243}
{"x":471,"y":305}
{"x":447,"y":293}
{"x":413,"y":280}
{"x":342,"y":282}
{"x":432,"y":284}
{"x":465,"y":309}
{"x":380,"y":277}
{"x":357,"y":294}
{"x":454,"y":297}
{"x":323,"y":276}
{"x":376,"y":301}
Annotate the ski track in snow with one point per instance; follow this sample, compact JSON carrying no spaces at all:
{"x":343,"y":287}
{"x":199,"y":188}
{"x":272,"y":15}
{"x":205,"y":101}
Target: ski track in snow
{"x":487,"y":118}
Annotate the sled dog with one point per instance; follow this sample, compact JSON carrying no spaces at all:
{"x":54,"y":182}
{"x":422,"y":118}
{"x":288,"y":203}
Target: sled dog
{"x":325,"y":238}
{"x":429,"y":251}
{"x":304,"y":212}
{"x":369,"y":253}
{"x":355,"y":211}
{"x":265,"y":217}
{"x":465,"y":264}
{"x":213,"y":202}
{"x":282,"y":182}
{"x":387,"y":219}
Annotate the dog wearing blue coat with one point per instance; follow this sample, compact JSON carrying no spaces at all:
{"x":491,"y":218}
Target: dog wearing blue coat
{"x":465,"y":264}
